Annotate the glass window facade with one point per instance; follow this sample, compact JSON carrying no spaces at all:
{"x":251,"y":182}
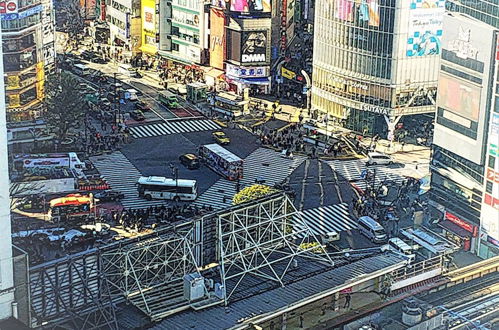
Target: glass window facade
{"x":486,"y":11}
{"x":353,"y":45}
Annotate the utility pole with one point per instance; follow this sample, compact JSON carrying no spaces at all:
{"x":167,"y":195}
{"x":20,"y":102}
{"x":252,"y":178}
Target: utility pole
{"x":174,"y":170}
{"x":117,"y":112}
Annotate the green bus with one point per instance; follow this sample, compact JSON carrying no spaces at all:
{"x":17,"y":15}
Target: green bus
{"x":168,"y":99}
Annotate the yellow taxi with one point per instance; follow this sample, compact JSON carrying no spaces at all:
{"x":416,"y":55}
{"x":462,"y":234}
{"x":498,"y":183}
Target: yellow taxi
{"x":221,"y":138}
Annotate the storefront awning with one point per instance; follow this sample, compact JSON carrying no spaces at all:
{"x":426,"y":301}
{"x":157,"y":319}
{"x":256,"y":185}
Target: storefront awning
{"x":251,"y":81}
{"x":215,"y":73}
{"x":451,"y":226}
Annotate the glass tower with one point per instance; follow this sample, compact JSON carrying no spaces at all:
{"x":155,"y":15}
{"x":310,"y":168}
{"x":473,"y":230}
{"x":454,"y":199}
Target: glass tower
{"x":374,"y":62}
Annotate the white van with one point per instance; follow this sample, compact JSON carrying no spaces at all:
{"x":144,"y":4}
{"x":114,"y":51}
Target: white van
{"x":126,"y":70}
{"x":376,"y":158}
{"x":132,"y":94}
{"x":372,"y":229}
{"x":399,"y":246}
{"x":331,"y":236}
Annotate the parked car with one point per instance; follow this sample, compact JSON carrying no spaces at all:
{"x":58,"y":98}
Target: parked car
{"x":221,"y":138}
{"x":376,"y":158}
{"x":109,"y":196}
{"x":190,"y":161}
{"x":137,"y":115}
{"x":104,"y":102}
{"x":142,"y":106}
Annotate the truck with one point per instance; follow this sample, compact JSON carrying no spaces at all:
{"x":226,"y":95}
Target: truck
{"x":67,"y":160}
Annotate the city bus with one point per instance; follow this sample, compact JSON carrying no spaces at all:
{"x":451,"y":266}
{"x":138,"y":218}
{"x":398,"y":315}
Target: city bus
{"x":72,"y":207}
{"x":222,"y":161}
{"x":168,"y":99}
{"x":229,"y":104}
{"x":158,"y":187}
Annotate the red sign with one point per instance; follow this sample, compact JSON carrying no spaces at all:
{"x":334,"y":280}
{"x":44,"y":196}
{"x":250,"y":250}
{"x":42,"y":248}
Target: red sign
{"x":489,"y":200}
{"x":492,"y":176}
{"x":8,"y":7}
{"x":461,"y":223}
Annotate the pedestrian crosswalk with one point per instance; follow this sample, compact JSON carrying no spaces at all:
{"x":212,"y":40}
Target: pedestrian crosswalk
{"x":350,"y":170}
{"x":264,"y":165}
{"x":122,"y":176}
{"x":173,"y":127}
{"x":325,"y":219}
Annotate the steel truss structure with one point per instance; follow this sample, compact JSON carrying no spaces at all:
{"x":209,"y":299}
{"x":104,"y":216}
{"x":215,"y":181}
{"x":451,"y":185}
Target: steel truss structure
{"x":150,"y":274}
{"x":71,"y":290}
{"x":263,"y":239}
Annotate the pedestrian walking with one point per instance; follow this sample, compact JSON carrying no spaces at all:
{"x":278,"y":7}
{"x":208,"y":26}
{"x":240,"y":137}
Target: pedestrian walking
{"x":348,"y":298}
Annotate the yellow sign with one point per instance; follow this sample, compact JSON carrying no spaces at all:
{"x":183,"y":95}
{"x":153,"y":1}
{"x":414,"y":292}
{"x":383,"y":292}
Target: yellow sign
{"x":12,"y":82}
{"x":288,"y":73}
{"x":14,"y":101}
{"x":148,"y":11}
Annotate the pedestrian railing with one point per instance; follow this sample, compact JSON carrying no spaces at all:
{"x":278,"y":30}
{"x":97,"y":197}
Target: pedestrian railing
{"x":416,"y":269}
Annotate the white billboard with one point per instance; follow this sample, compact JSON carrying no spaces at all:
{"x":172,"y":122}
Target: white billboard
{"x":425,"y":27}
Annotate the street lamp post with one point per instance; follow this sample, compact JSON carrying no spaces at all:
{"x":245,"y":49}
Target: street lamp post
{"x":174,"y":170}
{"x":117,"y":110}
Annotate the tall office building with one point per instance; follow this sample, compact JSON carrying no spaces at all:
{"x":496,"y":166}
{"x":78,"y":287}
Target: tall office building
{"x":6,"y":270}
{"x":464,"y":164}
{"x":375,"y":61}
{"x":29,"y":54}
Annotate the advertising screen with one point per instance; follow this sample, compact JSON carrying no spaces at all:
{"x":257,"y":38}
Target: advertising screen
{"x":254,"y":47}
{"x":362,"y":11}
{"x":250,"y":6}
{"x":234,"y":45}
{"x":425,"y":27}
{"x":459,"y":97}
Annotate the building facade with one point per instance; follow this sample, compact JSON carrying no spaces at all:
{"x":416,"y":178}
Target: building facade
{"x":6,"y":265}
{"x":375,"y":61}
{"x":248,"y":46}
{"x":183,"y":31}
{"x":464,"y":165}
{"x":29,"y":54}
{"x":121,"y":15}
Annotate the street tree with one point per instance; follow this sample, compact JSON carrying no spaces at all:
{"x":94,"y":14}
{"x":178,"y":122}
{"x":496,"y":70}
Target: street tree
{"x":253,"y":192}
{"x":65,"y":105}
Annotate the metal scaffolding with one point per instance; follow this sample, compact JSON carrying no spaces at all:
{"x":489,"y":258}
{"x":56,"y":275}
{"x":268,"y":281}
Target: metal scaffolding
{"x":72,"y":290}
{"x":150,"y":274}
{"x":223,"y":252}
{"x":263,"y":239}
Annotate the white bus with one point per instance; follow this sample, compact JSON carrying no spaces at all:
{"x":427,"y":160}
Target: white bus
{"x":158,"y":187}
{"x":81,"y":69}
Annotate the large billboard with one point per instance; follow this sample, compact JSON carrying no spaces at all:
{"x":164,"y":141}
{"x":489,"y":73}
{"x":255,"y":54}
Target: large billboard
{"x":359,"y":11}
{"x":459,"y":97}
{"x":250,"y":6}
{"x":217,"y":38}
{"x":425,"y":27}
{"x":149,"y":43}
{"x":464,"y":88}
{"x":254,"y":47}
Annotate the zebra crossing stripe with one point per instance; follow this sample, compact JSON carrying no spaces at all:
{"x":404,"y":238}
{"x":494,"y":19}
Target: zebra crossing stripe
{"x":277,"y":170}
{"x":174,"y":127}
{"x":122,"y":176}
{"x":325,"y":219}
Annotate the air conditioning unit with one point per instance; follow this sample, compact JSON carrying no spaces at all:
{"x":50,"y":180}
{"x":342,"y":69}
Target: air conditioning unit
{"x":193,"y":287}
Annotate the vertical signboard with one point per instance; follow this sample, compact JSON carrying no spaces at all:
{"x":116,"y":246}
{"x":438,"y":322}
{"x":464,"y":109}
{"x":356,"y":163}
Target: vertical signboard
{"x":490,"y":206}
{"x":149,"y":44}
{"x":425,"y":27}
{"x":217,"y":38}
{"x":48,"y":32}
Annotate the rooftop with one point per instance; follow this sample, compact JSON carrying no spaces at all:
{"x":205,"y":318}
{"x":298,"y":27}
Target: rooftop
{"x":332,"y":280}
